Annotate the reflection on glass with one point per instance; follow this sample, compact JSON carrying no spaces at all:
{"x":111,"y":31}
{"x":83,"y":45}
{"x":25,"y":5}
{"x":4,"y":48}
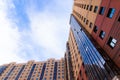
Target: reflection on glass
{"x":95,"y":65}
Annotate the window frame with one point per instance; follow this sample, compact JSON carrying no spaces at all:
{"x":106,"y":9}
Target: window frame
{"x":102,"y":10}
{"x":111,"y":13}
{"x":91,"y":7}
{"x":95,"y":29}
{"x":87,"y":7}
{"x":90,"y":25}
{"x":95,"y":9}
{"x":111,"y":42}
{"x":102,"y":34}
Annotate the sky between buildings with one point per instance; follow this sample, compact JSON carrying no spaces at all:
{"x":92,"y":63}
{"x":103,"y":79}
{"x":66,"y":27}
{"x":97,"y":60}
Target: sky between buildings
{"x":33,"y":29}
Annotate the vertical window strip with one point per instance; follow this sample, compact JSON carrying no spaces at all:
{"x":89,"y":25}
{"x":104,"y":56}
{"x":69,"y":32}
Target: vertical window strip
{"x":43,"y":70}
{"x":55,"y":71}
{"x":18,"y":75}
{"x":9,"y":73}
{"x":2,"y":68}
{"x":30,"y":74}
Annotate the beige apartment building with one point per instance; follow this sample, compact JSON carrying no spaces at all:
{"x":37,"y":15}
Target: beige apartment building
{"x":85,"y":11}
{"x":47,"y":70}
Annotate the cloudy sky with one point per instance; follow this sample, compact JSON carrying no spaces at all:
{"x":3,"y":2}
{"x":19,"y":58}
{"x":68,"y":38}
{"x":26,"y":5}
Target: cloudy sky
{"x":33,"y":29}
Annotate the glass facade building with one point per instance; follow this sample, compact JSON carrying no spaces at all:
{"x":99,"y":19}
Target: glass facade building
{"x":96,"y":66}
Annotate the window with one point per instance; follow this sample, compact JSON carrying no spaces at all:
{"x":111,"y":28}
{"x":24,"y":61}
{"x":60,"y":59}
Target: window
{"x":84,"y":6}
{"x":50,"y":78}
{"x":80,"y":73}
{"x":112,"y":42}
{"x":36,"y":79}
{"x":102,"y":10}
{"x":90,"y":25}
{"x":119,"y":19}
{"x":91,"y":8}
{"x":111,"y":12}
{"x":95,"y":9}
{"x":78,"y":65}
{"x":58,"y":77}
{"x":83,"y":65}
{"x":102,"y":34}
{"x":95,"y":29}
{"x":84,"y":19}
{"x":87,"y":7}
{"x":87,"y":22}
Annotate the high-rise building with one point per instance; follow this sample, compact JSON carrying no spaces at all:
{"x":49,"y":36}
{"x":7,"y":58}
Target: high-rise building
{"x":93,"y":47}
{"x":47,"y":70}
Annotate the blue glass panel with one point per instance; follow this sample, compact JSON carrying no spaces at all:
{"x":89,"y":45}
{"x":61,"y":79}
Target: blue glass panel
{"x":55,"y":71}
{"x":30,"y":74}
{"x":18,"y":75}
{"x":102,"y":9}
{"x":9,"y":73}
{"x":43,"y":70}
{"x":2,"y":68}
{"x":112,"y":12}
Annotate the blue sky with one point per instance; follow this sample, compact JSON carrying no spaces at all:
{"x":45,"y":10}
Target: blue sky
{"x":33,"y":29}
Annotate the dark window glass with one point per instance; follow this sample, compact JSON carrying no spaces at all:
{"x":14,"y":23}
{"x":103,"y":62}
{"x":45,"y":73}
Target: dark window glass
{"x":90,"y":25}
{"x":95,"y":29}
{"x":80,"y":73}
{"x":102,"y":10}
{"x":102,"y":34}
{"x":83,"y":65}
{"x":87,"y":7}
{"x":119,"y":19}
{"x":95,"y":9}
{"x":84,"y":6}
{"x":81,"y":5}
{"x":111,"y":12}
{"x":112,"y":42}
{"x":87,"y":22}
{"x":84,"y":19}
{"x":91,"y":8}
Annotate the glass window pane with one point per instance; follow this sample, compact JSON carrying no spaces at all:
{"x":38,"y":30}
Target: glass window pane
{"x":112,"y":44}
{"x":111,"y":12}
{"x":114,"y":40}
{"x":102,"y":9}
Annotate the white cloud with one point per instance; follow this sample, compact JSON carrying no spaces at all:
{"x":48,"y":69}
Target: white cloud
{"x":50,"y":29}
{"x":48,"y":35}
{"x":44,"y":32}
{"x":9,"y":36}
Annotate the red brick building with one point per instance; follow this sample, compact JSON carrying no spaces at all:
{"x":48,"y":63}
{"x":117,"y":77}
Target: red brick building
{"x":107,"y":29}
